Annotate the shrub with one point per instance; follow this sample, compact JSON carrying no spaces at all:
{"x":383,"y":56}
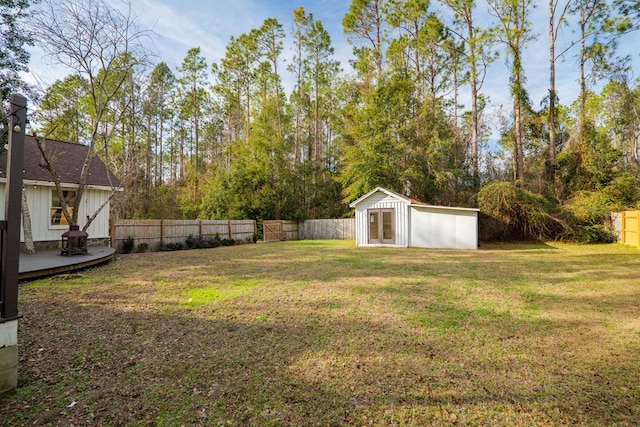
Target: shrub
{"x":587,"y":234}
{"x":174,"y":246}
{"x":190,"y":242}
{"x":143,"y":247}
{"x":624,"y":190}
{"x":587,"y":216}
{"x":127,"y":245}
{"x":590,"y":207}
{"x":510,"y":212}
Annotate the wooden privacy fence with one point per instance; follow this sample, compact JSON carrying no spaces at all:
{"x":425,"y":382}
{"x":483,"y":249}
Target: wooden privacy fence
{"x":329,"y":229}
{"x":156,"y":232}
{"x":313,"y":229}
{"x":627,"y":225}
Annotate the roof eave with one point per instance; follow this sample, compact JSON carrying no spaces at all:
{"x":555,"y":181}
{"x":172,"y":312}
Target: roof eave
{"x":389,"y":193}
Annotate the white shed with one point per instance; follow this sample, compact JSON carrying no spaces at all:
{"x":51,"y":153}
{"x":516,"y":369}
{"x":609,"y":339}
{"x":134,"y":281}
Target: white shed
{"x":388,"y":218}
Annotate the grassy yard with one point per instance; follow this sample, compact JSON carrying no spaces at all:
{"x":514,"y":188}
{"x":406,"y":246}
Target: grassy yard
{"x":324,"y":333}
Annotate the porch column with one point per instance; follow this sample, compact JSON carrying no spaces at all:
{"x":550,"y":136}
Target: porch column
{"x":10,"y":256}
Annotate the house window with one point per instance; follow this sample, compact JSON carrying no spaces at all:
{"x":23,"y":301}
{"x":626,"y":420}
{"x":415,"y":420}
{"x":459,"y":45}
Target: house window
{"x":381,"y":226}
{"x":57,"y":217}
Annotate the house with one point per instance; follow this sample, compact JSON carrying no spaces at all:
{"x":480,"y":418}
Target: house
{"x":47,"y":221}
{"x":388,"y":218}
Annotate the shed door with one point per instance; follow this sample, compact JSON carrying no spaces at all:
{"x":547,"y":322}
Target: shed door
{"x":381,"y":229}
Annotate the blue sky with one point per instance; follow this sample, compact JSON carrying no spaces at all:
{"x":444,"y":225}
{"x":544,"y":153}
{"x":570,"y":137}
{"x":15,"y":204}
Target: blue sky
{"x":182,"y":24}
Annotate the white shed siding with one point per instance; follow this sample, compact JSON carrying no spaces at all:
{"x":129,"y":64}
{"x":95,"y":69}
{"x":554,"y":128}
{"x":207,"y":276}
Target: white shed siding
{"x":39,"y":201}
{"x":443,"y":228}
{"x":381,"y":200}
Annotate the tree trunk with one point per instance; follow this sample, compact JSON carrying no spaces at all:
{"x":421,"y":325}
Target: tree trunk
{"x":196,"y":106}
{"x":583,"y":83}
{"x":26,"y":226}
{"x":518,"y":117}
{"x":473,"y":83}
{"x":519,"y":151}
{"x":147,"y":203}
{"x":552,"y":85}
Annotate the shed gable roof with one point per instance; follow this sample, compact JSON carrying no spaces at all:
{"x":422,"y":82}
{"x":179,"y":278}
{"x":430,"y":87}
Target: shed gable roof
{"x":405,"y":199}
{"x":67,"y":159}
{"x":390,"y":193}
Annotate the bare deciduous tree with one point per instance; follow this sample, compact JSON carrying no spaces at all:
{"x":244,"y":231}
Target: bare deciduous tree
{"x":103,"y":43}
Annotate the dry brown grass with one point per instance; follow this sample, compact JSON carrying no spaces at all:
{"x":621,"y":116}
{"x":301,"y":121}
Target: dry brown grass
{"x":324,"y":333}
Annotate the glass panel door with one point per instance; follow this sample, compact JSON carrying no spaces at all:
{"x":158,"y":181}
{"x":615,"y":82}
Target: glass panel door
{"x":387,"y":226}
{"x":381,"y":226}
{"x":374,"y":220}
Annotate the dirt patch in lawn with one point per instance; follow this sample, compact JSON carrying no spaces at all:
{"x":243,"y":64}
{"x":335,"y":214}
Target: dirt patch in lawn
{"x":324,"y":333}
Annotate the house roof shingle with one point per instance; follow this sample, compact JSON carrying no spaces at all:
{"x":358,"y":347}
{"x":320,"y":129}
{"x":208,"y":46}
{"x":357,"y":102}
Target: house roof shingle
{"x":67,"y":159}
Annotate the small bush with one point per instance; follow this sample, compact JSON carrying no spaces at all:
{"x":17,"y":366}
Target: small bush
{"x":190,"y":242}
{"x":143,"y":247}
{"x":174,"y":246}
{"x":127,"y":245}
{"x":590,"y":234}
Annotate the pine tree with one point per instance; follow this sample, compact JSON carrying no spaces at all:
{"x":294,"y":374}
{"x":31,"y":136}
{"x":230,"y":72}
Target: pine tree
{"x":14,"y":57}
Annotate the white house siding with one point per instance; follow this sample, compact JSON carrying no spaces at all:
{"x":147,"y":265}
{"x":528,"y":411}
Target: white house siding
{"x":39,"y":201}
{"x":432,"y":227}
{"x":380,"y":200}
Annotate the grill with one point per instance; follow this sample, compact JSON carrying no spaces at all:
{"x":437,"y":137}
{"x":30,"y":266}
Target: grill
{"x":74,"y":241}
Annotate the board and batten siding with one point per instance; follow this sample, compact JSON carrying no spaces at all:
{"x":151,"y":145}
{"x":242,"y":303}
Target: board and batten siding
{"x":450,"y":228}
{"x":39,"y":199}
{"x":381,"y":200}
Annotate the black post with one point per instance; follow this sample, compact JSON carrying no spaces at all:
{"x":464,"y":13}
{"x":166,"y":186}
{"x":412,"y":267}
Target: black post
{"x":13,"y":202}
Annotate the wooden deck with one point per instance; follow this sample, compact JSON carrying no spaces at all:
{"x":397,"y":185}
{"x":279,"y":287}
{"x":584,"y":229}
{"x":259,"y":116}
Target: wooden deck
{"x":49,"y":262}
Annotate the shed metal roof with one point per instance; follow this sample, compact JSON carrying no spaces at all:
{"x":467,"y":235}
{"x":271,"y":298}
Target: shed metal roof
{"x":406,"y":199}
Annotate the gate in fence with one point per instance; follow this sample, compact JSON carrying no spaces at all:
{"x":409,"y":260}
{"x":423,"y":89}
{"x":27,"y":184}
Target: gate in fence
{"x":279,"y":230}
{"x":630,"y":233}
{"x":272,"y":231}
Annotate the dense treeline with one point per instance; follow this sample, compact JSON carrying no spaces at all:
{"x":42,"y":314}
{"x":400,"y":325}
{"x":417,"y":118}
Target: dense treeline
{"x":226,"y":140}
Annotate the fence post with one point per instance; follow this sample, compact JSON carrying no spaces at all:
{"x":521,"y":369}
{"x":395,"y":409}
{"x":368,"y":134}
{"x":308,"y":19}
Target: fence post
{"x":112,"y":231}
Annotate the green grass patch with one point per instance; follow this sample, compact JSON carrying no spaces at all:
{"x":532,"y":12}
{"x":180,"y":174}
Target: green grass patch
{"x":326,"y":333}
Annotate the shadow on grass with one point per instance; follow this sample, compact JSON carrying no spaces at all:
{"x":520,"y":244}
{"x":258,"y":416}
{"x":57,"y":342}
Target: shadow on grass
{"x":268,"y":361}
{"x":514,"y":246}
